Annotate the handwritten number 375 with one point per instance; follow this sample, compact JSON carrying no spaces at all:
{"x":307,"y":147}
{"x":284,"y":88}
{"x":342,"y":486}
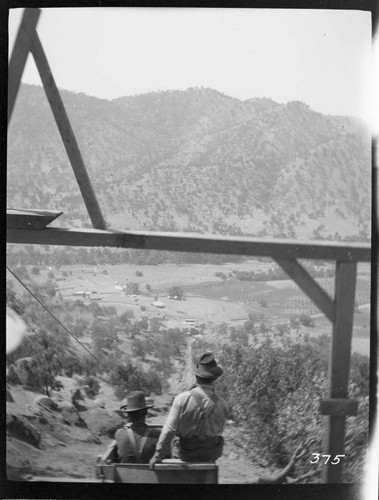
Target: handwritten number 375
{"x":335,"y":461}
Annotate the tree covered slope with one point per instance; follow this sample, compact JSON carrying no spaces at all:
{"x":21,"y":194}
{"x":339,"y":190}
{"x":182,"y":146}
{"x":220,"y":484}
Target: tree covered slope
{"x":196,"y":160}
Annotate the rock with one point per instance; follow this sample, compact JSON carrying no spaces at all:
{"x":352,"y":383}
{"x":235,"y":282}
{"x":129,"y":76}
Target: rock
{"x":70,"y":415}
{"x":99,"y":403}
{"x":101,"y":422}
{"x":93,"y":439}
{"x":46,"y":401}
{"x":16,"y":474}
{"x":20,"y":428}
{"x":23,"y":371}
{"x":9,"y":396}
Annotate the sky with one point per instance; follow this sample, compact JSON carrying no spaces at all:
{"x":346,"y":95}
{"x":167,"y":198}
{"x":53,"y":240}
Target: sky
{"x":320,"y":57}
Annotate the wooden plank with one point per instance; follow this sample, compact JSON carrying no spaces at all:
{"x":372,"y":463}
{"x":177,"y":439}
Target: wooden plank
{"x":339,"y":366}
{"x":66,"y":479}
{"x":23,"y":42}
{"x":309,"y":286}
{"x":339,"y":407}
{"x":67,"y":135}
{"x":187,"y":473}
{"x":185,"y":242}
{"x":30,"y":219}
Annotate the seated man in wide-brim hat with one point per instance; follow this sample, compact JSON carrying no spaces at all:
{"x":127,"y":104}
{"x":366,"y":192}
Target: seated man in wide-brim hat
{"x":136,"y":441}
{"x":197,"y":418}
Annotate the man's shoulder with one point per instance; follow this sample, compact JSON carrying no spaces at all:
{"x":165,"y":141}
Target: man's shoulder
{"x":182,"y":397}
{"x":185,"y":394}
{"x":121,"y":432}
{"x":222,"y":401}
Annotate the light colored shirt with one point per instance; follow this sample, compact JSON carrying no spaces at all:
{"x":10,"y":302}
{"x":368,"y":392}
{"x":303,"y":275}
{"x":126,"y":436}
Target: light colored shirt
{"x":142,"y":445}
{"x":184,"y":419}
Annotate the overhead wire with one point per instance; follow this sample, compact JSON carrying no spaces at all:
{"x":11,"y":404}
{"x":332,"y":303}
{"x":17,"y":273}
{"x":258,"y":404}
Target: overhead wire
{"x":53,"y":316}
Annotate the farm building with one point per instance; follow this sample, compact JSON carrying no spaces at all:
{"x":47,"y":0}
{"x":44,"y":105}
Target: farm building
{"x":158,"y":304}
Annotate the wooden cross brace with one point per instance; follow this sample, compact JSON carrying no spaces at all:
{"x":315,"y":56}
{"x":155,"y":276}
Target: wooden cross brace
{"x":340,"y":312}
{"x":27,"y":40}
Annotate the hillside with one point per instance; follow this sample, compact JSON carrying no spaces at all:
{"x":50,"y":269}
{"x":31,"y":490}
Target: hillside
{"x":196,"y":160}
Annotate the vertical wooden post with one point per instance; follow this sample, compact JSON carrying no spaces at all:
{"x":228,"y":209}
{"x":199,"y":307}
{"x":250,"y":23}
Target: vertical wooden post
{"x":20,"y":53}
{"x":339,"y":366}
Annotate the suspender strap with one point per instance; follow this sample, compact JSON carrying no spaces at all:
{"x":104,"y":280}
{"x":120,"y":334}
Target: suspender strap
{"x":137,"y":451}
{"x":198,"y":399}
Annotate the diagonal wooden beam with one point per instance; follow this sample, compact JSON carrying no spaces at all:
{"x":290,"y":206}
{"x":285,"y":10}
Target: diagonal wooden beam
{"x":22,"y":44}
{"x":309,"y":286}
{"x":67,"y":135}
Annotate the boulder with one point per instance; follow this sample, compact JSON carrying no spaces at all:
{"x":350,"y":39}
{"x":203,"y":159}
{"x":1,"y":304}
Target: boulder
{"x":70,"y":414}
{"x":23,"y":371}
{"x":20,"y":428}
{"x":9,"y":396}
{"x":99,"y":403}
{"x":46,"y":401}
{"x":100,"y":421}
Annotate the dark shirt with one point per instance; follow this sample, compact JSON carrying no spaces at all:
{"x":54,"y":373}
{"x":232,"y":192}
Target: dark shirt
{"x":142,"y":449}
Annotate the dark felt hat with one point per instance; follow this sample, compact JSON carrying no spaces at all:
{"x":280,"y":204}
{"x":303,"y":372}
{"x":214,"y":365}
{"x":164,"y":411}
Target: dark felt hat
{"x":135,"y":401}
{"x":207,"y":367}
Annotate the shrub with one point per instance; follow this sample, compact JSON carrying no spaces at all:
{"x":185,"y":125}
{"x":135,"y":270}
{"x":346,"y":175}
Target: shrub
{"x":274,"y":391}
{"x":126,"y":378}
{"x":90,"y":386}
{"x":132,"y":288}
{"x":306,"y":320}
{"x":175,"y":291}
{"x":221,"y":275}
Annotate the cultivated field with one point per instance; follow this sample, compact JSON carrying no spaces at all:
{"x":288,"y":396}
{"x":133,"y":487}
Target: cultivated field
{"x":209,"y":300}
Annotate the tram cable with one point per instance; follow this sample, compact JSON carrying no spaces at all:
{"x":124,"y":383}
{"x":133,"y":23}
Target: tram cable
{"x":53,"y":316}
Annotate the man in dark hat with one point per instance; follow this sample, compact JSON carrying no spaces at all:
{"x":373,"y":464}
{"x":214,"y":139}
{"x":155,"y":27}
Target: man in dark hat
{"x":197,"y":417}
{"x":136,"y":441}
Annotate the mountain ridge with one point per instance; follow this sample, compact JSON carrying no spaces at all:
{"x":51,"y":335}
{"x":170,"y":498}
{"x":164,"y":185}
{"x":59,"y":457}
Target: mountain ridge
{"x":196,"y":160}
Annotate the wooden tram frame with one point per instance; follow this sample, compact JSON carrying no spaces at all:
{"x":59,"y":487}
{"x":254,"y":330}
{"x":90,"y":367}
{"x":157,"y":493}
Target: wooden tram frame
{"x":339,"y":310}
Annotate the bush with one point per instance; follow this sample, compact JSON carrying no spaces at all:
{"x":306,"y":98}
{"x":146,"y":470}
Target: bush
{"x":13,"y":302}
{"x":175,"y":291}
{"x":306,"y":320}
{"x":221,"y":275}
{"x":90,"y":386}
{"x":22,"y":273}
{"x":126,"y":378}
{"x":274,"y":391}
{"x":132,"y":288}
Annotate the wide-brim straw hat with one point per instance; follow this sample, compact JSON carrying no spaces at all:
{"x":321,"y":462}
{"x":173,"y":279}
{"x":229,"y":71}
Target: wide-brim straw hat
{"x":135,"y":401}
{"x":207,"y":367}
